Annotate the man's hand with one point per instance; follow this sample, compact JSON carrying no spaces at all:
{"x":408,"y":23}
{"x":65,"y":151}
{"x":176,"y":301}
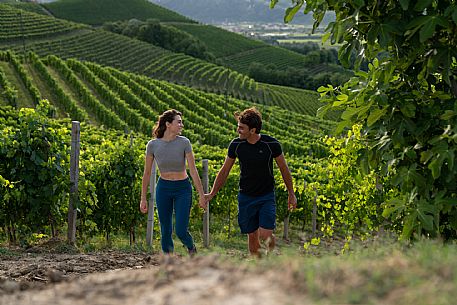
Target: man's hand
{"x":208,"y":197}
{"x":292,"y":202}
{"x":202,"y":202}
{"x":143,"y":206}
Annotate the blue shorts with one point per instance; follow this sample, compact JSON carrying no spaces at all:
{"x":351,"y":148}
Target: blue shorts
{"x":256,"y":211}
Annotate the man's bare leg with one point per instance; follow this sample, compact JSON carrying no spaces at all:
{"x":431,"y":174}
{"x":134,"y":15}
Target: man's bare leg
{"x":268,"y":237}
{"x":261,"y":235}
{"x":254,"y":243}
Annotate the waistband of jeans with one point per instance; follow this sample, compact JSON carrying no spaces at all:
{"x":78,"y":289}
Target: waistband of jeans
{"x":173,"y":182}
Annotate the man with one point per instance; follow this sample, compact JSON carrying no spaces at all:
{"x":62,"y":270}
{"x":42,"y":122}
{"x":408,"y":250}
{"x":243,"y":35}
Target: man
{"x":256,"y":197}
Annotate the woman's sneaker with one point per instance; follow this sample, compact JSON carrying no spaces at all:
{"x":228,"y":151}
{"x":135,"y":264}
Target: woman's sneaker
{"x":192,"y":251}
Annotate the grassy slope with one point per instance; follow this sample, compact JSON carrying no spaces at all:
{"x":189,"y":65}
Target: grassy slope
{"x":27,"y":6}
{"x":101,"y":11}
{"x":211,"y":111}
{"x":23,"y":97}
{"x":17,"y":24}
{"x":235,"y":50}
{"x":238,"y":51}
{"x":132,"y":55}
{"x":219,"y":41}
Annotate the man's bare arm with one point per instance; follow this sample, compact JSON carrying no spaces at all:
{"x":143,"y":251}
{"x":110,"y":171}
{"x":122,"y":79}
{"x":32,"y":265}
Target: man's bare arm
{"x":221,"y":177}
{"x":287,"y":177}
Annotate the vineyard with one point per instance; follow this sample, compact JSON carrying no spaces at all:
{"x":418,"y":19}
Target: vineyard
{"x":127,"y":54}
{"x":116,"y":83}
{"x":276,"y":56}
{"x":214,"y":37}
{"x":98,"y":12}
{"x":375,"y":221}
{"x":113,"y":99}
{"x":18,"y":24}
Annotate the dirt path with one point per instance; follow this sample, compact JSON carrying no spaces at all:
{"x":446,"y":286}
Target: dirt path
{"x":126,"y":278}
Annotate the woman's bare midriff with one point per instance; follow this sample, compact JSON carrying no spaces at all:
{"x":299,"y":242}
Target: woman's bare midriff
{"x":174,"y":175}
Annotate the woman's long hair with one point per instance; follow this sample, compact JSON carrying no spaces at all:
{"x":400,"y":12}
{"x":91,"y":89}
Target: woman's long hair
{"x":161,"y":126}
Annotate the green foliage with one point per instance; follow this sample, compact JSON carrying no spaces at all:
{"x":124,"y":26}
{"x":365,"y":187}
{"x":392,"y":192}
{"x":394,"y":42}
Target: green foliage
{"x":101,"y":11}
{"x":17,"y":24}
{"x":114,"y":169}
{"x":162,"y":35}
{"x":122,"y":52}
{"x":8,"y":91}
{"x":347,"y":199}
{"x":298,"y":77}
{"x":266,"y":55}
{"x":406,"y":101}
{"x":214,"y":38}
{"x":34,"y":171}
{"x":110,"y":177}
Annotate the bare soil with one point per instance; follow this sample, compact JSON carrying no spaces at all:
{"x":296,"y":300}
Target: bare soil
{"x":115,"y":277}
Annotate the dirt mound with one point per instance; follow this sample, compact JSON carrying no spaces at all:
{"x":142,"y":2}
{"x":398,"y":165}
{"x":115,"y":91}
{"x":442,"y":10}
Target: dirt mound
{"x":35,"y":270}
{"x":201,"y":280}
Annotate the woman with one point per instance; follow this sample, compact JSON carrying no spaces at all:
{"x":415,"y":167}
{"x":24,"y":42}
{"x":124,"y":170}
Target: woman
{"x":173,"y":191}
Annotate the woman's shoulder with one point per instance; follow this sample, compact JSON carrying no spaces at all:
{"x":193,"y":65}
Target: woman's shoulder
{"x":152,"y":142}
{"x":183,"y":139}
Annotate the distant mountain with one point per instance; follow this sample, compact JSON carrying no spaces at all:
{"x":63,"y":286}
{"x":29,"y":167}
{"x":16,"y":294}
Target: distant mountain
{"x":221,"y":11}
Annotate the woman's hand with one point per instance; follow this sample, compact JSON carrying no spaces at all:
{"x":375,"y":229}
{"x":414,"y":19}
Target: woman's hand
{"x":202,"y":202}
{"x":143,"y":206}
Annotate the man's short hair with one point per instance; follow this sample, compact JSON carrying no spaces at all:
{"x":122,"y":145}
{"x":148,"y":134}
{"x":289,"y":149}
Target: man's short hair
{"x":250,"y":117}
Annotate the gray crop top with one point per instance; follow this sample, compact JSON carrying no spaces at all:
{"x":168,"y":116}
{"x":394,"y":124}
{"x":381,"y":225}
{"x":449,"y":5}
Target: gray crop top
{"x":170,"y":156}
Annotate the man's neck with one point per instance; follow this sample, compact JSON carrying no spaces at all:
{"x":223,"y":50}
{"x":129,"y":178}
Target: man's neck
{"x":254,"y":138}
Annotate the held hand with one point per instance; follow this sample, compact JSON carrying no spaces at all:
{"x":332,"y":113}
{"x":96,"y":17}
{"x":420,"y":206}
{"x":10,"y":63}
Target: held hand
{"x":202,"y":202}
{"x":292,"y":202}
{"x":143,"y":206}
{"x":208,"y":197}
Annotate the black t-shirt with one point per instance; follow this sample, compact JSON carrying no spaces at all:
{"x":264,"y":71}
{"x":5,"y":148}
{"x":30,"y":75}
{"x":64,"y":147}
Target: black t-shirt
{"x":256,"y":164}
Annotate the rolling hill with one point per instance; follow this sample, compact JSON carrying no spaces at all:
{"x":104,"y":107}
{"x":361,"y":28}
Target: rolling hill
{"x":71,"y":40}
{"x":106,"y":96}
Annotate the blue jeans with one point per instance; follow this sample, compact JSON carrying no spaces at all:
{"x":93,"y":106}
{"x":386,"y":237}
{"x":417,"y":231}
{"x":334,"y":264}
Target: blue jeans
{"x":177,"y":196}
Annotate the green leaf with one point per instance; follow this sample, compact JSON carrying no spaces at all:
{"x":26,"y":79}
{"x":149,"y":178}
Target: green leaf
{"x":408,"y":110}
{"x":323,"y":110}
{"x":364,"y":164}
{"x":392,"y":206}
{"x":421,"y":5}
{"x":325,"y":89}
{"x":427,"y":30}
{"x":448,"y":114}
{"x":426,"y":156}
{"x":359,"y":3}
{"x":342,"y":99}
{"x":425,"y":212}
{"x":363,"y":110}
{"x":409,"y":224}
{"x":341,"y":126}
{"x":450,"y":159}
{"x":325,"y":37}
{"x":404,"y":4}
{"x":415,"y":25}
{"x":435,"y":167}
{"x":291,"y":11}
{"x":273,"y":3}
{"x":349,"y":113}
{"x":385,"y":36}
{"x":375,"y":116}
{"x":454,"y":15}
{"x":418,"y":22}
{"x":426,"y":221}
